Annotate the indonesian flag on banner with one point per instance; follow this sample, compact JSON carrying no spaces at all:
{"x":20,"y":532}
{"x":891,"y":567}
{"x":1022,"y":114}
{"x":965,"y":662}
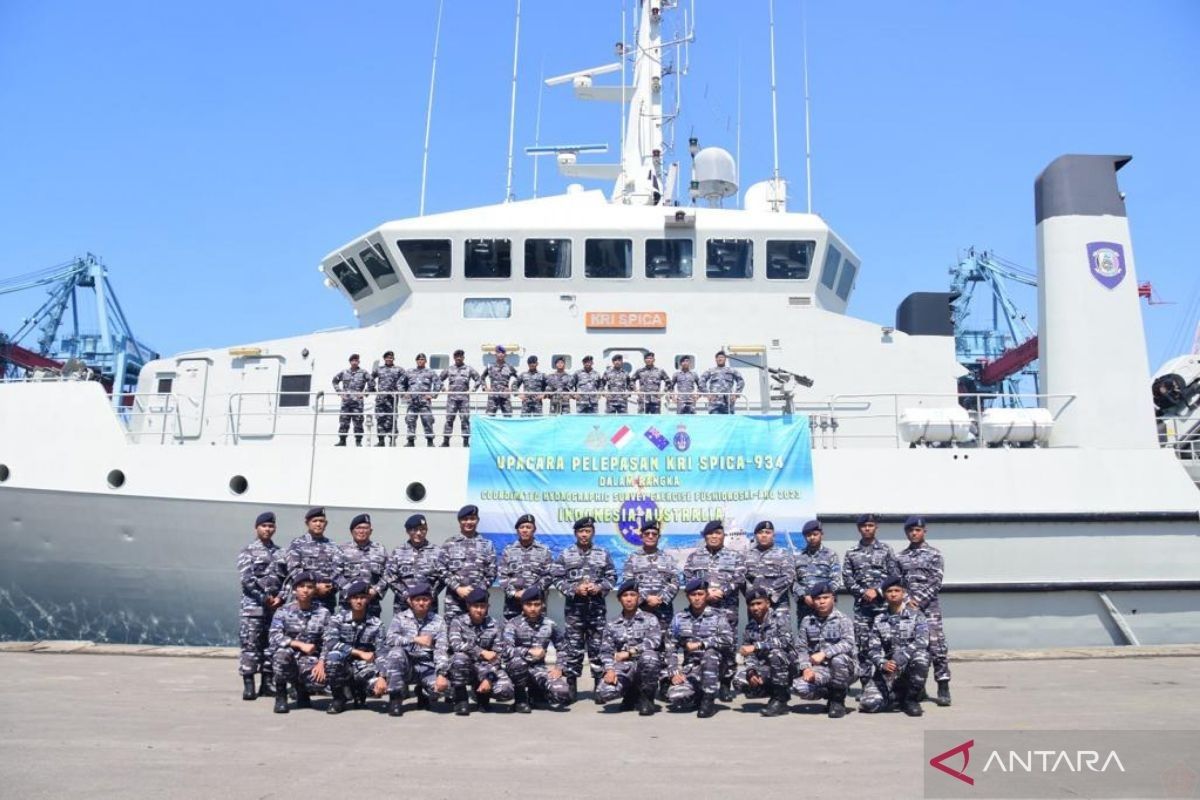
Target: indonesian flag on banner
{"x":622,"y":437}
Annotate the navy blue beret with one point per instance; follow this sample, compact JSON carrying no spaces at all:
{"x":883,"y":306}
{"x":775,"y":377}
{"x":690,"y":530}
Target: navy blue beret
{"x":627,"y":586}
{"x":765,"y":525}
{"x":696,"y":585}
{"x":316,"y":511}
{"x":894,"y":580}
{"x":302,"y":576}
{"x":651,"y":525}
{"x":477,"y":595}
{"x":585,"y":522}
{"x":819,"y":589}
{"x":521,"y":520}
{"x":715,"y":525}
{"x":420,"y":357}
{"x":810,"y":526}
{"x":531,"y":360}
{"x":468,"y":511}
{"x":863,"y":519}
{"x":264,"y":518}
{"x":531,"y":594}
{"x":356,"y":587}
{"x":914,"y":522}
{"x":758,"y":593}
{"x":420,"y":589}
{"x":360,"y":519}
{"x":587,"y":359}
{"x":415,"y":521}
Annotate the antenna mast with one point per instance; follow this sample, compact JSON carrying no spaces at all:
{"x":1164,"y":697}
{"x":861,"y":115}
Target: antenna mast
{"x":774,"y":116}
{"x":512,"y":109}
{"x":437,"y":36}
{"x":807,"y":109}
{"x":537,"y":125}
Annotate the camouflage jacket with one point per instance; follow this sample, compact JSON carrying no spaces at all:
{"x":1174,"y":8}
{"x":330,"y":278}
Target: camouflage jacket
{"x":654,"y":573}
{"x":352,"y":383}
{"x":521,"y":635}
{"x":616,"y":383}
{"x":724,"y":570}
{"x":351,"y":562}
{"x":343,"y":634}
{"x":499,"y":377}
{"x":403,"y":631}
{"x":650,"y":380}
{"x":832,"y":635}
{"x":574,"y":566}
{"x":408,"y":565}
{"x":867,"y":566}
{"x":315,"y":555}
{"x":773,"y":634}
{"x":465,"y":637}
{"x":922,"y":569}
{"x":819,"y":566}
{"x":710,"y":628}
{"x":772,"y":569}
{"x":685,"y":382}
{"x":421,"y":384}
{"x":634,"y":635}
{"x":467,"y":562}
{"x":533,"y":383}
{"x":721,"y":380}
{"x":387,"y":380}
{"x":588,"y":381}
{"x":522,"y":567}
{"x":293,"y":622}
{"x":560,"y":382}
{"x":898,"y":637}
{"x":460,"y":380}
{"x":262,"y":569}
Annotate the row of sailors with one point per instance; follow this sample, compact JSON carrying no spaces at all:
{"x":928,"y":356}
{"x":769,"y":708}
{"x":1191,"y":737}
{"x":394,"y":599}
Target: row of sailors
{"x":720,"y":384}
{"x":584,"y":574}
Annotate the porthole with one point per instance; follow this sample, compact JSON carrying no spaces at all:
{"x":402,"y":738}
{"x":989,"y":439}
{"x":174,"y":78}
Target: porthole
{"x":238,"y":484}
{"x":415,"y":491}
{"x":116,"y":479}
{"x":4,"y":473}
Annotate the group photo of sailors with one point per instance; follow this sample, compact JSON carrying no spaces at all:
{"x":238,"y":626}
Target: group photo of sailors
{"x":537,"y":392}
{"x":311,"y":620}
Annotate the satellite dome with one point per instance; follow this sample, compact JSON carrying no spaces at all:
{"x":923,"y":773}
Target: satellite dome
{"x":715,"y":173}
{"x":769,"y":195}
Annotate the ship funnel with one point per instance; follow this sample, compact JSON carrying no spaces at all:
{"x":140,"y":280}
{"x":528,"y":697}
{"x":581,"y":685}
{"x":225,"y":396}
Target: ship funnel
{"x":1090,"y":334}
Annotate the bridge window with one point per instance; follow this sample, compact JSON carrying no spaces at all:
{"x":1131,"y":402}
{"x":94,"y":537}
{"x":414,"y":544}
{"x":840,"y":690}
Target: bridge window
{"x":438,"y":361}
{"x":846,"y":280}
{"x":487,"y":308}
{"x":789,"y":260}
{"x":293,"y":391}
{"x":730,"y":258}
{"x":352,"y":280}
{"x":547,"y":258}
{"x":427,"y":258}
{"x":608,"y":258}
{"x":164,"y":383}
{"x":487,"y":258}
{"x":833,"y":260}
{"x":379,"y":265}
{"x":668,"y":258}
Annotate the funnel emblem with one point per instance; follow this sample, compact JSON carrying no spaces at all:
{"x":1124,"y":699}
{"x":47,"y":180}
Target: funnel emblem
{"x":1107,"y":262}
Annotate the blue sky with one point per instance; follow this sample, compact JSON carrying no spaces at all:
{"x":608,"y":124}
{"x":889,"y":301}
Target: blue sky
{"x":213,"y":152}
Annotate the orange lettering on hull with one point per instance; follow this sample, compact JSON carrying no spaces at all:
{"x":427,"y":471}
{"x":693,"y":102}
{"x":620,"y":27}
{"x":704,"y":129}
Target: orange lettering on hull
{"x":626,"y":319}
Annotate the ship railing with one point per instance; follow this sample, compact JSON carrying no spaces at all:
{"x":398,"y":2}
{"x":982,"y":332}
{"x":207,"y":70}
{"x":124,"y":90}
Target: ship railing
{"x":1181,"y":435}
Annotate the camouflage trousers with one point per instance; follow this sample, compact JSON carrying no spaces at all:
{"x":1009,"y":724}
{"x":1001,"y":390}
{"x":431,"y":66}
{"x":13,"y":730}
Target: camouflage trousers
{"x":470,"y":672}
{"x":531,"y":408}
{"x":587,"y":404}
{"x":640,"y":674}
{"x":776,"y":667}
{"x":252,"y":640}
{"x":650,"y":405}
{"x":730,"y":608}
{"x":423,"y":410}
{"x":721,"y":405}
{"x":616,"y":405}
{"x":401,"y":670}
{"x":879,"y":694}
{"x":385,"y":414}
{"x":458,"y":405}
{"x":560,"y":405}
{"x":835,"y":674}
{"x":293,"y":666}
{"x":864,"y":618}
{"x":685,"y":407}
{"x":939,"y":652}
{"x":584,"y":630}
{"x":343,"y":670}
{"x":352,"y":412}
{"x":702,"y":676}
{"x":537,"y":676}
{"x":501,"y":403}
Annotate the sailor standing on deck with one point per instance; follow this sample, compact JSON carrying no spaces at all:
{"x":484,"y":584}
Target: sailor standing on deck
{"x":499,"y":376}
{"x":458,"y":379}
{"x":422,"y":385}
{"x":351,"y":384}
{"x":533,"y":385}
{"x":616,"y":386}
{"x":559,"y":385}
{"x":588,"y":384}
{"x":922,"y":568}
{"x":262,"y":568}
{"x":649,"y":381}
{"x":684,"y":387}
{"x":386,"y":381}
{"x":722,"y":384}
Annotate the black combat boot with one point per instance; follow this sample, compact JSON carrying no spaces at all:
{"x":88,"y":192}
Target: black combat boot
{"x":341,"y":442}
{"x":664,"y":686}
{"x":521,"y":701}
{"x":422,"y":698}
{"x":707,"y":707}
{"x":266,"y":684}
{"x":302,"y":697}
{"x":630,"y":701}
{"x":445,"y":441}
{"x":484,"y":701}
{"x":411,"y":441}
{"x":461,"y":707}
{"x":906,"y":699}
{"x":943,"y":695}
{"x":381,"y":442}
{"x":429,"y":441}
{"x":358,"y":440}
{"x":248,"y":692}
{"x":395,"y":706}
{"x":645,"y":703}
{"x":572,"y":689}
{"x":726,"y":695}
{"x":337,"y":702}
{"x":466,"y":441}
{"x":281,"y":703}
{"x":837,"y":703}
{"x":777,"y":706}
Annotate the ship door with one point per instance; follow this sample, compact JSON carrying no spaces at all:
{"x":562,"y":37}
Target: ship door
{"x":254,"y":409}
{"x":751,"y":362}
{"x":190,"y":390}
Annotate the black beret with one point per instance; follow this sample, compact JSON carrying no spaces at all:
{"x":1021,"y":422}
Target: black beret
{"x":264,"y":518}
{"x":420,"y":589}
{"x":316,"y":511}
{"x":420,"y":357}
{"x":302,"y":576}
{"x":696,"y":585}
{"x":863,"y":519}
{"x":389,"y":354}
{"x":354,"y":356}
{"x":914,"y":522}
{"x":627,"y":586}
{"x":715,"y":525}
{"x":360,"y":519}
{"x":720,"y":352}
{"x":531,"y":360}
{"x":356,"y":587}
{"x":819,"y":589}
{"x":765,"y":525}
{"x":648,"y":355}
{"x":531,"y":594}
{"x":894,"y":580}
{"x":521,"y":520}
{"x":651,"y":525}
{"x":468,"y":511}
{"x":810,"y":526}
{"x":415,"y":521}
{"x":757,"y":593}
{"x":618,"y":357}
{"x":585,"y":522}
{"x":459,"y":353}
{"x":477,"y":595}
{"x":586,"y":359}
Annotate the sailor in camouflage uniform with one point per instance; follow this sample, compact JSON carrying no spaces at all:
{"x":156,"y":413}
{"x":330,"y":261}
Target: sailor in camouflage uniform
{"x":415,"y":561}
{"x":297,"y":636}
{"x":499,"y":377}
{"x":524,"y":563}
{"x":465,"y":561}
{"x":360,"y":558}
{"x":898,"y":647}
{"x":865,"y":568}
{"x":526,"y":640}
{"x":559,"y":385}
{"x":702,"y":636}
{"x":815,"y":565}
{"x":684,"y":387}
{"x":588,"y":385}
{"x":584,"y":574}
{"x":724,"y":571}
{"x":532,"y":384}
{"x":769,"y":566}
{"x":261,"y":568}
{"x":649,"y":381}
{"x":827,"y":660}
{"x":386,"y":381}
{"x":655,"y":573}
{"x":314,"y":552}
{"x":422,"y":385}
{"x":632,"y":652}
{"x":768,"y":651}
{"x":415,"y":652}
{"x":616,"y":386}
{"x":351,"y":384}
{"x":458,"y":379}
{"x":476,"y":657}
{"x":922,"y":568}
{"x":350,"y":644}
{"x":722,"y":384}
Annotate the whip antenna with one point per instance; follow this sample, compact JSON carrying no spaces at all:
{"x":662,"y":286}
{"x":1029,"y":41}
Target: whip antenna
{"x":437,"y":37}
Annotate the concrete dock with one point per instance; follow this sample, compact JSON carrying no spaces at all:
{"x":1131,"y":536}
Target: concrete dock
{"x":75,"y":722}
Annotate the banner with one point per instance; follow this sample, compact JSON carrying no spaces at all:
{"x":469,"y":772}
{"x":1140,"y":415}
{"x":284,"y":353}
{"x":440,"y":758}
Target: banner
{"x":621,"y":469}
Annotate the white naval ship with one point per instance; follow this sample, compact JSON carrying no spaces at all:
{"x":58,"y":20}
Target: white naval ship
{"x":1066,"y":522}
